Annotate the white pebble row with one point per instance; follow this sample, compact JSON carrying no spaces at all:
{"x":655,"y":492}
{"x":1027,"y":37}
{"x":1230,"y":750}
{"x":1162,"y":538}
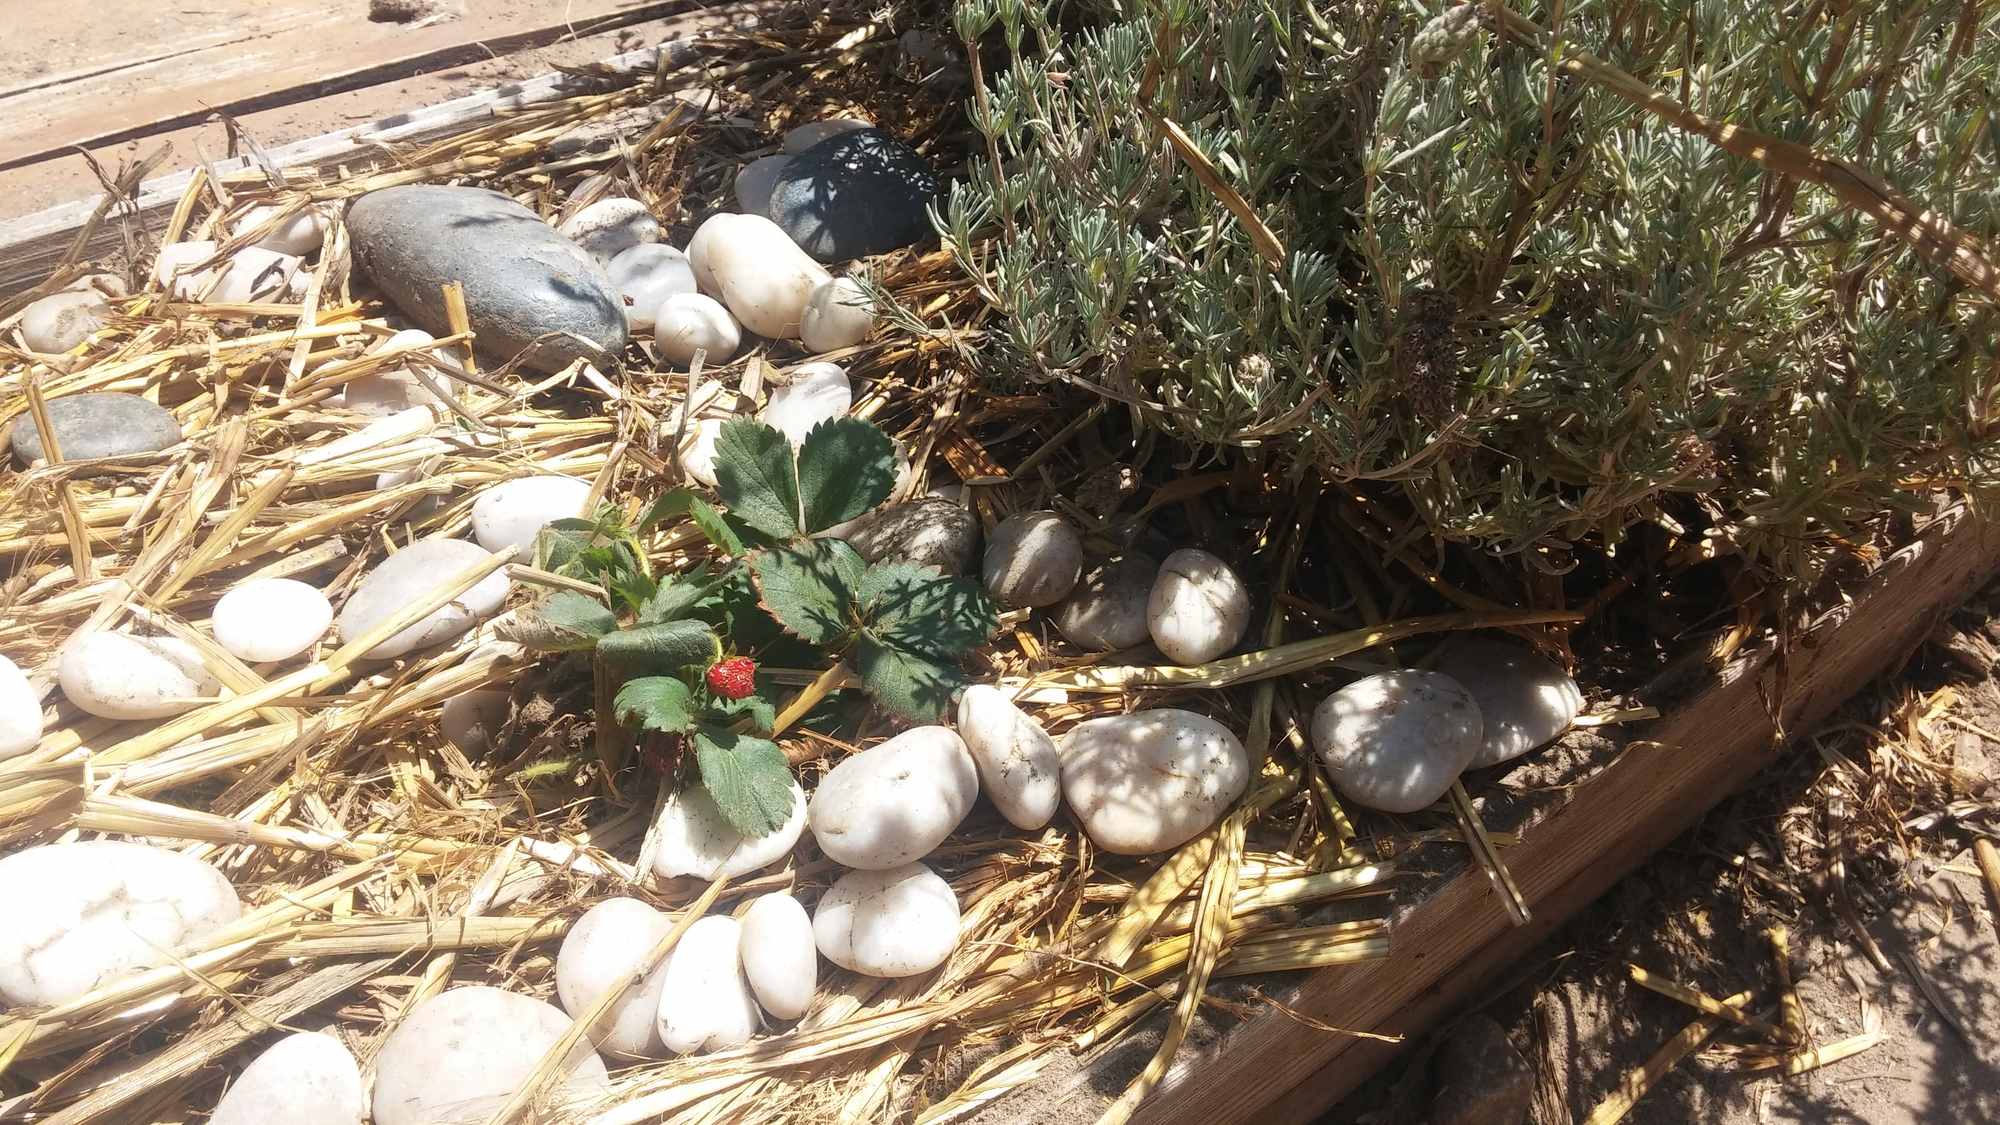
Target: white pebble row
{"x":118,"y":676}
{"x":780,"y":958}
{"x":893,"y":923}
{"x":756,"y":270}
{"x":705,"y":1003}
{"x":601,"y":950}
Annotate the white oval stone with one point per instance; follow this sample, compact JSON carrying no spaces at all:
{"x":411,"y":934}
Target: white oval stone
{"x":20,"y":711}
{"x":255,"y":276}
{"x":894,"y":923}
{"x":1396,"y":741}
{"x":1032,"y":559}
{"x":1019,"y":767}
{"x":461,"y":1054}
{"x":1107,"y":610}
{"x":1198,"y":609}
{"x":409,"y":575}
{"x":604,"y":946}
{"x":270,"y":619}
{"x":817,"y":392}
{"x":755,"y":180}
{"x":645,"y":276}
{"x":513,"y":513}
{"x":174,"y":268}
{"x":470,"y":720}
{"x":60,"y":321}
{"x":301,"y":233}
{"x":780,"y":958}
{"x":896,"y":801}
{"x":757,"y":271}
{"x":803,"y":137}
{"x":1152,"y":780}
{"x":609,"y":227}
{"x":838,"y":315}
{"x":686,"y":322}
{"x":303,"y":1079}
{"x":396,"y":389}
{"x":692,"y":838}
{"x":705,"y":1004}
{"x":118,"y":676}
{"x":87,"y":913}
{"x":1524,"y":700}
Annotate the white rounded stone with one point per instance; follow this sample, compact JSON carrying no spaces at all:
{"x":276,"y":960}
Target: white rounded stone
{"x":1396,"y":741}
{"x":603,"y":948}
{"x":699,"y":456}
{"x":256,"y":276}
{"x":687,"y":322}
{"x":303,"y":1079}
{"x":1198,"y":609}
{"x":408,"y":576}
{"x":1524,"y":700}
{"x":803,"y":137}
{"x":118,"y":676}
{"x":705,"y":1004}
{"x":461,"y":1054}
{"x":396,"y":389}
{"x":1107,"y":610}
{"x":817,"y":392}
{"x":1152,"y":780}
{"x":837,"y":315}
{"x":755,"y":180}
{"x":896,"y":801}
{"x":20,"y":711}
{"x":692,"y":838}
{"x":270,"y":619}
{"x":1032,"y":559}
{"x":513,"y":513}
{"x":60,"y":321}
{"x":175,"y":270}
{"x":780,"y":958}
{"x":894,"y":923}
{"x":85,"y":914}
{"x":470,"y":720}
{"x":758,"y":272}
{"x":301,"y":233}
{"x":1019,"y":767}
{"x":645,"y":276}
{"x":609,"y":227}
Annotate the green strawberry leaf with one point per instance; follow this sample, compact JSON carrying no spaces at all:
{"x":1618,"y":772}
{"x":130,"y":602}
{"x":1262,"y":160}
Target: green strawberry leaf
{"x":748,"y":778}
{"x":913,"y":683}
{"x":559,"y":543}
{"x":566,"y":622}
{"x":945,"y":616}
{"x":846,"y":467}
{"x":809,"y":588}
{"x":664,"y":647}
{"x":756,"y":475}
{"x":660,"y":703}
{"x":676,"y":597}
{"x":762,"y":715}
{"x":678,"y":502}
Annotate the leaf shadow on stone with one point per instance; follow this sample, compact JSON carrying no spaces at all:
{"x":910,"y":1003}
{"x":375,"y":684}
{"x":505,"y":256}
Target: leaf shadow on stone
{"x":858,"y":193}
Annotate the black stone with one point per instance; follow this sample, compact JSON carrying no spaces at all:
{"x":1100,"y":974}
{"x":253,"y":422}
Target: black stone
{"x":858,"y":193}
{"x":103,"y":424}
{"x":523,"y":281}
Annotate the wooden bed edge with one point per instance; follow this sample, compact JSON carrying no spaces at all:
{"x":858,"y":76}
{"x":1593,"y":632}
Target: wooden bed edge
{"x":1273,"y":1069}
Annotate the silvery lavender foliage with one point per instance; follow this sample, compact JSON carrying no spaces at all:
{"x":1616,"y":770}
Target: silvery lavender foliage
{"x":1542,"y":313}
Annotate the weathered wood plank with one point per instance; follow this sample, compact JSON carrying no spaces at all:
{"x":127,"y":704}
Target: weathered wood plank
{"x":1273,"y":1068}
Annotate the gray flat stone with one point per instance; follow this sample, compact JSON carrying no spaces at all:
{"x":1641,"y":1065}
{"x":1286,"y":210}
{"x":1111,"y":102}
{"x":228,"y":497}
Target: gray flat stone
{"x":101,"y":424}
{"x":522,"y":280}
{"x":860,"y":192}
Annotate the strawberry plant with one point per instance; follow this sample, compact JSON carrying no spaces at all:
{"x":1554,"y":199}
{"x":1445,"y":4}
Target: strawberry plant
{"x":779,"y":587}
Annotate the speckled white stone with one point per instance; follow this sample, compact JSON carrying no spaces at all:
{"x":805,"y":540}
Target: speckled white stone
{"x":1396,"y":741}
{"x":1198,"y":609}
{"x":694,"y":839}
{"x":20,"y":711}
{"x":803,"y":137}
{"x":301,"y":233}
{"x":609,"y":227}
{"x":1152,"y":780}
{"x":604,"y":946}
{"x":780,"y":959}
{"x":705,"y":1004}
{"x":60,"y":321}
{"x":460,"y":1054}
{"x":893,"y":923}
{"x":1524,"y":700}
{"x":755,"y":180}
{"x":303,"y":1079}
{"x":1107,"y":609}
{"x":1019,"y":768}
{"x":470,"y":720}
{"x":118,"y":676}
{"x":84,"y":914}
{"x":1032,"y":559}
{"x":687,"y":322}
{"x":754,"y":269}
{"x":838,"y":315}
{"x":817,"y":392}
{"x":645,"y":276}
{"x":896,"y":801}
{"x":512,"y":513}
{"x":409,"y":575}
{"x":270,"y":619}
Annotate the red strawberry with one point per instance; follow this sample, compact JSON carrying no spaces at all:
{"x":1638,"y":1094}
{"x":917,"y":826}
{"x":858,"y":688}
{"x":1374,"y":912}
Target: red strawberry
{"x":733,"y":678}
